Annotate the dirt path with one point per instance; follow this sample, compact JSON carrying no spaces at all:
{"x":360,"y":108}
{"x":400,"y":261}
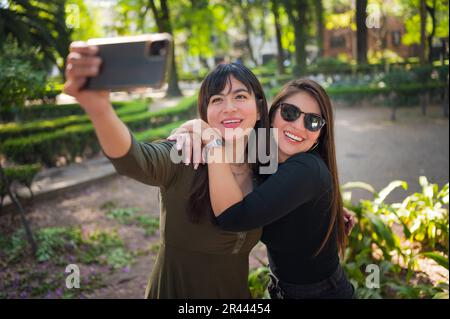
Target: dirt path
{"x":372,"y":149}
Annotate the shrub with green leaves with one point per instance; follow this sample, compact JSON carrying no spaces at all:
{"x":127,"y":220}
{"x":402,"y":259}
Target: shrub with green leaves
{"x":376,"y":240}
{"x":330,"y":66}
{"x":395,"y":237}
{"x":258,"y":281}
{"x":22,"y":174}
{"x":424,"y":216}
{"x":21,"y":75}
{"x":49,"y":94}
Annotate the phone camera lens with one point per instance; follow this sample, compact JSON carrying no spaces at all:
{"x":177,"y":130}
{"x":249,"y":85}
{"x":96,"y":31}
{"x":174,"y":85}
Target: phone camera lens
{"x":158,"y":48}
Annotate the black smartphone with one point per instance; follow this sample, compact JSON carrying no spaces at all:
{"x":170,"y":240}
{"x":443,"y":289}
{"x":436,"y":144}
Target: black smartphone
{"x":132,"y":62}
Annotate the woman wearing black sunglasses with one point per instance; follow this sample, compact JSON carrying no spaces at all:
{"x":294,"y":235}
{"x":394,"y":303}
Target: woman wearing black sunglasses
{"x":300,"y":205}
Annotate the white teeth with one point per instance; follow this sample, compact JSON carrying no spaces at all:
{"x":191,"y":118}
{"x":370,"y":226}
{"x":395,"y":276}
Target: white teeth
{"x":293,"y":137}
{"x":231,"y":121}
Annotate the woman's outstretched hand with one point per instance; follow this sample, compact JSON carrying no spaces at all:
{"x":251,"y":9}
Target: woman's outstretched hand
{"x":112,"y":133}
{"x":83,"y":62}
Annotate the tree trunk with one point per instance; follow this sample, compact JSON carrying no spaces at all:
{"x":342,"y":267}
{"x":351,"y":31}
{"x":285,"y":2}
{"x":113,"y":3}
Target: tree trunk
{"x":141,"y":19}
{"x":424,"y":99}
{"x":247,"y":29}
{"x":423,"y":24}
{"x":173,"y":89}
{"x":20,"y":209}
{"x":320,"y":27}
{"x":162,"y":19}
{"x":361,"y":31}
{"x":445,"y":105}
{"x":301,"y":35}
{"x":432,"y":11}
{"x":280,"y":56}
{"x":247,"y":40}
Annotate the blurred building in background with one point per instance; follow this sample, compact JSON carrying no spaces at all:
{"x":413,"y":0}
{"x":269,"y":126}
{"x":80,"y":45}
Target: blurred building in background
{"x":385,"y":37}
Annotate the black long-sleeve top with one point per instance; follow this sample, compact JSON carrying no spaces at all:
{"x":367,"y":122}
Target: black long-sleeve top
{"x":294,"y":206}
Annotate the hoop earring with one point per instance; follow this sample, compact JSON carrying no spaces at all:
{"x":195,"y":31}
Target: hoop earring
{"x":314,"y":146}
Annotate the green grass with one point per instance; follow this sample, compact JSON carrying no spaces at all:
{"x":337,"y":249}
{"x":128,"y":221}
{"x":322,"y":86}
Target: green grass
{"x":127,"y":216}
{"x":44,"y":276}
{"x":56,"y":244}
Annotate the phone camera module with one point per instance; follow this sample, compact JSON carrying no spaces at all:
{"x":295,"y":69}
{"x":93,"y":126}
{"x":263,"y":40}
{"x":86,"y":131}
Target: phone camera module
{"x":158,"y":48}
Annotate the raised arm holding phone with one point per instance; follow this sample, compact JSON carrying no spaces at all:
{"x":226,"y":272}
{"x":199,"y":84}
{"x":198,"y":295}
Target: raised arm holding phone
{"x":82,"y":63}
{"x":196,"y":259}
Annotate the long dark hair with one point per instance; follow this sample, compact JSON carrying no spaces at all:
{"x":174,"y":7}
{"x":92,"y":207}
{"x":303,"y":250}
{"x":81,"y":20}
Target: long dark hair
{"x":326,"y":149}
{"x":199,"y":204}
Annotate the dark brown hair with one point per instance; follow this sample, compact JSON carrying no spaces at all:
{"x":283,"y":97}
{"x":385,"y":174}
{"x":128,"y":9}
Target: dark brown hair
{"x":326,"y":149}
{"x":199,"y":204}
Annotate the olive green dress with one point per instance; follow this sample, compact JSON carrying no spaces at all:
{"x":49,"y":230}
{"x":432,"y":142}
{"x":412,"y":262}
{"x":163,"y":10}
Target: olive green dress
{"x":195,"y":260}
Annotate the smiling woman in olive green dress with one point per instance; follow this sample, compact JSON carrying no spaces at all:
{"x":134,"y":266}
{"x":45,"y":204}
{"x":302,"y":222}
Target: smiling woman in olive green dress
{"x":196,"y":258}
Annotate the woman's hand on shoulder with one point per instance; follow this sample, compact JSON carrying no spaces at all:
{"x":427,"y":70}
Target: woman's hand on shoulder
{"x":191,"y":138}
{"x":349,"y":220}
{"x":199,"y":128}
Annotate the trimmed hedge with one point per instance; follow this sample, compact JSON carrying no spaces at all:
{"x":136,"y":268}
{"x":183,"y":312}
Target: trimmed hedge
{"x":22,"y":174}
{"x":52,"y":111}
{"x":392,"y":74}
{"x":404,"y":94}
{"x":80,"y":140}
{"x":25,"y":174}
{"x":401,"y":95}
{"x":15,"y":130}
{"x":184,"y":109}
{"x":157,"y":133}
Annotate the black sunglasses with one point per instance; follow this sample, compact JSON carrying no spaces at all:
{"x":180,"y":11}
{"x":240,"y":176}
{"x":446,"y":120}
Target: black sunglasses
{"x":290,"y":113}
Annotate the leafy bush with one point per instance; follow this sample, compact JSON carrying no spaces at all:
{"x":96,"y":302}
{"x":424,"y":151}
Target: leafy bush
{"x":266,"y":70}
{"x":424,"y":216}
{"x":258,"y":281}
{"x":329,"y":66}
{"x":49,"y":94}
{"x":20,"y":76}
{"x":396,"y":78}
{"x":22,"y":174}
{"x":376,"y":239}
{"x":192,"y":76}
{"x":274,"y":82}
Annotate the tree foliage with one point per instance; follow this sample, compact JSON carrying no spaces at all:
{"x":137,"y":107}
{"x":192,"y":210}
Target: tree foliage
{"x":39,"y":24}
{"x":21,"y":75}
